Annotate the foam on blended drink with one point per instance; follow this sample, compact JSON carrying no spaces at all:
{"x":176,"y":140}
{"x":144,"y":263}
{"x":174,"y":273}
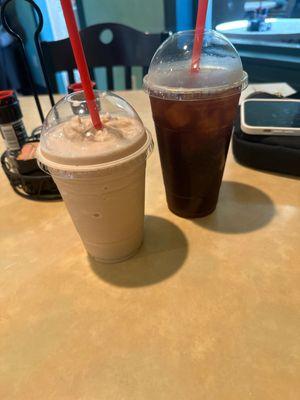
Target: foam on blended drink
{"x":100,"y":174}
{"x":77,"y":142}
{"x":193,"y":114}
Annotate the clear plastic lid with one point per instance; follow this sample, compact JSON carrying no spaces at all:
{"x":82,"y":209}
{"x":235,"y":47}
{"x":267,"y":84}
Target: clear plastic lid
{"x":170,"y":73}
{"x":68,"y":138}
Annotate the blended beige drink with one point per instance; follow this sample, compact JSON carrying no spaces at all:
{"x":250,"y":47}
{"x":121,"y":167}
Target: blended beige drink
{"x":100,"y":174}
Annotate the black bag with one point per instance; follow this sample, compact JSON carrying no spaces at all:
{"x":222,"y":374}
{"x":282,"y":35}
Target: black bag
{"x":280,"y":154}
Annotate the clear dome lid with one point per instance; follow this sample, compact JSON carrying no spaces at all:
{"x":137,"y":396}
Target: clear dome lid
{"x":68,"y":137}
{"x":170,"y":74}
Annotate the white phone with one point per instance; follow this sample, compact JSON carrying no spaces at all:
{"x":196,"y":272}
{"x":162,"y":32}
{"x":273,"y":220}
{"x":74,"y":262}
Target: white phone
{"x":271,"y":117}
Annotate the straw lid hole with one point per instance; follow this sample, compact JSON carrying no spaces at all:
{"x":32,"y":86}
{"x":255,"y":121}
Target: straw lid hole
{"x":106,"y":36}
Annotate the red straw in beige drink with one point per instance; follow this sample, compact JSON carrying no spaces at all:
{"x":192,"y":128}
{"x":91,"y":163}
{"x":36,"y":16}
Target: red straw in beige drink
{"x":98,"y":164}
{"x":194,"y":96}
{"x":81,"y":62}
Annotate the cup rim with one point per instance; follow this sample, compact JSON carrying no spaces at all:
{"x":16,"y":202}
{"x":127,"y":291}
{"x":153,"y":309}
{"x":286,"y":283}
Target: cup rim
{"x":46,"y":164}
{"x":173,"y":93}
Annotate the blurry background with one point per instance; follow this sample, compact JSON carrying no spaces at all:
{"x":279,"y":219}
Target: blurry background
{"x":268,"y":56}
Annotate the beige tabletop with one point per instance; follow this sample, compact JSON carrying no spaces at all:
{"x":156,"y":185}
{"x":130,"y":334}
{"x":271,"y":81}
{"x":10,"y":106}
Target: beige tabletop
{"x":208,"y":309}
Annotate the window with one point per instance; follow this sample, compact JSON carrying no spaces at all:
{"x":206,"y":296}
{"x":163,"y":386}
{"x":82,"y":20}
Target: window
{"x":267,"y":35}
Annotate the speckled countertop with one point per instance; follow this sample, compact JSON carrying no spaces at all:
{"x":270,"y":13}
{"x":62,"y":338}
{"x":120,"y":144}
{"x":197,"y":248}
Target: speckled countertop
{"x":208,"y":309}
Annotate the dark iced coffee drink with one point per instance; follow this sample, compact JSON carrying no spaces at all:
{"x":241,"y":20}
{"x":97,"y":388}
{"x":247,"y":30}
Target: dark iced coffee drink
{"x":193,"y":114}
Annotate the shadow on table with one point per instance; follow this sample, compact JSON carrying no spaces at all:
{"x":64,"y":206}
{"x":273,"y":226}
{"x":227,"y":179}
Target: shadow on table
{"x":241,"y":208}
{"x":161,"y":255}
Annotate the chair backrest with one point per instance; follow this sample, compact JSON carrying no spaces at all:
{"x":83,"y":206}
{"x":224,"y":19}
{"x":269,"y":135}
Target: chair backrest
{"x":105,"y":45}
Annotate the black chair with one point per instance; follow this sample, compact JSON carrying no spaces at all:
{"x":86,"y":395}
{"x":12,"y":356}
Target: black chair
{"x":105,"y":45}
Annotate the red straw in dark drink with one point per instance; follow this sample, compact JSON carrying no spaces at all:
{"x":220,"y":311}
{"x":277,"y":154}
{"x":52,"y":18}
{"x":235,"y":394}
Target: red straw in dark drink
{"x":199,"y":34}
{"x":81,"y":62}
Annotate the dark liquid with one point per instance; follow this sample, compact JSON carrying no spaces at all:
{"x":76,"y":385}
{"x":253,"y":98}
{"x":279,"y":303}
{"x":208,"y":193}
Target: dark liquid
{"x":193,"y":138}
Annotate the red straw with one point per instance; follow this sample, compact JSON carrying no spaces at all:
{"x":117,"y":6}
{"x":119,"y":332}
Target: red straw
{"x":199,"y":34}
{"x":81,"y":62}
